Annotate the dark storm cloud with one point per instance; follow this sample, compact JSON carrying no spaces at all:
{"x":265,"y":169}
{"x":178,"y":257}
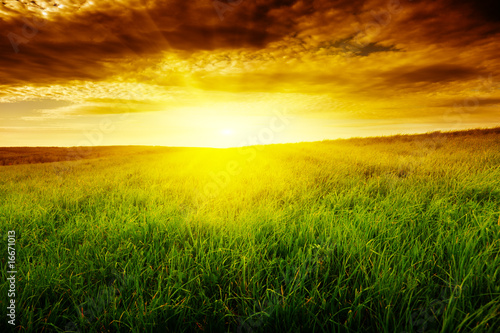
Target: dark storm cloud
{"x":73,"y":43}
{"x":81,"y":41}
{"x":486,"y":9}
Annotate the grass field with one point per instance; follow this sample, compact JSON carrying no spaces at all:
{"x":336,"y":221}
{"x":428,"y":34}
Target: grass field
{"x":396,"y":234}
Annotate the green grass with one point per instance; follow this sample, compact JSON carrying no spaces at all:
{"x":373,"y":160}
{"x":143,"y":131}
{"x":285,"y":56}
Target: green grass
{"x":396,"y":234}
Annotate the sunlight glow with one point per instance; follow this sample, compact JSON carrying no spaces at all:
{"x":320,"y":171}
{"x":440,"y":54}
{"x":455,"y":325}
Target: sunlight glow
{"x":227,"y":132}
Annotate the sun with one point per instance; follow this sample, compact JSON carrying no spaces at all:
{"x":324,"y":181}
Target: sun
{"x":227,"y":132}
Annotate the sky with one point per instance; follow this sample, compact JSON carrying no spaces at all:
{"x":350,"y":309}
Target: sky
{"x":227,"y":73}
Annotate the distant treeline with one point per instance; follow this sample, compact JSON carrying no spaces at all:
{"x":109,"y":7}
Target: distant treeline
{"x":418,"y":137}
{"x":31,"y":155}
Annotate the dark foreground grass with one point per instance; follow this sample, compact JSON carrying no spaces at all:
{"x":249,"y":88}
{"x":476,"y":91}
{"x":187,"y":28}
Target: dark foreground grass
{"x":365,"y":235}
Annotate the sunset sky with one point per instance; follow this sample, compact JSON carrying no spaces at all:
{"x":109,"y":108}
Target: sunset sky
{"x":230,"y":73}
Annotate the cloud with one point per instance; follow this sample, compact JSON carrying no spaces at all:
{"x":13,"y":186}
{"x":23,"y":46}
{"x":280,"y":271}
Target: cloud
{"x":373,"y":58}
{"x":472,"y":102}
{"x":95,"y":41}
{"x":431,"y":74}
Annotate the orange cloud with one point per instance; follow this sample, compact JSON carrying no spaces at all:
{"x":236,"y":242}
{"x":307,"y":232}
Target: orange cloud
{"x":398,"y":60}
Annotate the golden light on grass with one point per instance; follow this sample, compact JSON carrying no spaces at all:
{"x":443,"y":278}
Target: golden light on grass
{"x":355,"y":221}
